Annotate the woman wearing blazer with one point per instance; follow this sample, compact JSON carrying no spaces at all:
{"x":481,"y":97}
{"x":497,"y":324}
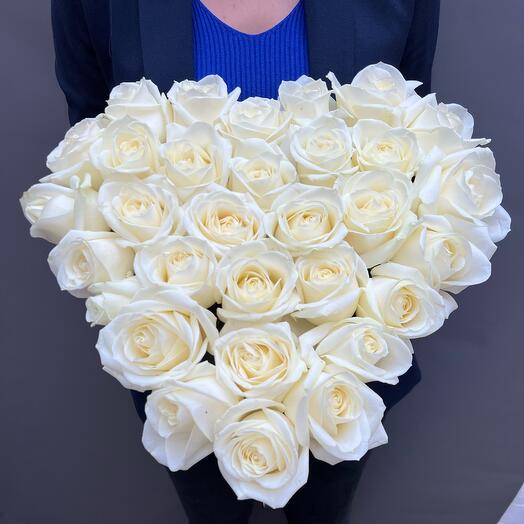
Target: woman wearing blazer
{"x":101,"y":43}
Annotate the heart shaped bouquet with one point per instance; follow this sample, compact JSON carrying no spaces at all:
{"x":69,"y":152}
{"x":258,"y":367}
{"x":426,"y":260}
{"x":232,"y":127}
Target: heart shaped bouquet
{"x":324,"y":229}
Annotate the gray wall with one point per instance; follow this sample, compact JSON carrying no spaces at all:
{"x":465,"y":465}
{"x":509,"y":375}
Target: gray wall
{"x":70,"y":440}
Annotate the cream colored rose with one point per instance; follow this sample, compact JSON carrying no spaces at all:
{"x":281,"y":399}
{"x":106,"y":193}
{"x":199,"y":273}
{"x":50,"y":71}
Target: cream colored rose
{"x":186,"y":264}
{"x":323,"y":151}
{"x":339,"y":412}
{"x":256,"y":283}
{"x":160,"y":336}
{"x":443,"y":141}
{"x":400,"y":298}
{"x":127,"y":149}
{"x":73,"y":150}
{"x":379,"y":92}
{"x":87,"y":215}
{"x":140,"y":212}
{"x":304,"y":218}
{"x":108,"y":298}
{"x":464,"y":184}
{"x":477,"y":232}
{"x":329,"y":284}
{"x":362,"y":346}
{"x":142,"y":101}
{"x":255,"y":117}
{"x":202,"y":101}
{"x":377,"y":213}
{"x":304,"y":98}
{"x":83,"y":258}
{"x":446,"y":259}
{"x":178,"y":431}
{"x":379,"y":146}
{"x":53,"y":210}
{"x":258,"y":361}
{"x":260,"y":169}
{"x":224,"y":219}
{"x":195,"y":157}
{"x":258,"y":452}
{"x":83,"y":174}
{"x":499,"y":224}
{"x":426,"y":114}
{"x":49,"y":208}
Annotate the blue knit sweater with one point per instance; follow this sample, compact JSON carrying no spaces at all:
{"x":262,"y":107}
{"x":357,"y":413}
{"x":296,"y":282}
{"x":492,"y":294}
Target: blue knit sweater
{"x":255,"y":63}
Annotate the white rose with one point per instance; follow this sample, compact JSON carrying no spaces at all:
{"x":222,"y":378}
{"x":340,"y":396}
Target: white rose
{"x":379,"y":146}
{"x":127,"y":149}
{"x":329,"y":284}
{"x":341,"y":414}
{"x":73,"y":150}
{"x":443,"y":141}
{"x":259,"y":361}
{"x":256,"y":283}
{"x":53,"y":210}
{"x":178,"y":431}
{"x":304,"y":218}
{"x":446,"y":259}
{"x":186,"y":264}
{"x":362,"y":346}
{"x":224,"y":219}
{"x":260,"y":169}
{"x":323,"y":150}
{"x":305,"y":98}
{"x":427,"y":114}
{"x":400,"y":298}
{"x":483,"y":233}
{"x":83,"y":258}
{"x":499,"y":224}
{"x":108,"y":298}
{"x":464,"y":184}
{"x":255,"y":117}
{"x":140,"y":212}
{"x":377,"y":213}
{"x":160,"y":336}
{"x":142,"y":101}
{"x":195,"y":157}
{"x":475,"y":231}
{"x":49,"y":208}
{"x":202,"y":101}
{"x":87,"y":215}
{"x":83,"y":174}
{"x":379,"y":92}
{"x":258,"y":452}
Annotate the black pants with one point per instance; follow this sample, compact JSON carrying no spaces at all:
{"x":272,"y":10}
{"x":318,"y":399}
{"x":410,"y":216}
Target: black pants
{"x":325,"y":499}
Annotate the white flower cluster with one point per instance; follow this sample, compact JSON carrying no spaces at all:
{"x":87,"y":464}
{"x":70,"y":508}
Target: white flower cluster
{"x":329,"y":231}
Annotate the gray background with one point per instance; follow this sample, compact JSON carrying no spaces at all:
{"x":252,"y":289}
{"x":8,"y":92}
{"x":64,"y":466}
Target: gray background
{"x":70,"y":440}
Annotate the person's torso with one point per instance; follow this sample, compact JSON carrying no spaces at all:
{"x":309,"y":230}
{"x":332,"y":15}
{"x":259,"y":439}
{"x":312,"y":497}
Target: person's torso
{"x":154,"y":38}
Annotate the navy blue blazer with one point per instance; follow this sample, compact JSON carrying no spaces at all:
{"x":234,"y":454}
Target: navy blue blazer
{"x":100,"y":43}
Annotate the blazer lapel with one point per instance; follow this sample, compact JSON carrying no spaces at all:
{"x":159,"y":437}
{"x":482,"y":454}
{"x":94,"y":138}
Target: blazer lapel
{"x":125,"y":45}
{"x":330,"y":28}
{"x":167,"y":40}
{"x":151,"y":38}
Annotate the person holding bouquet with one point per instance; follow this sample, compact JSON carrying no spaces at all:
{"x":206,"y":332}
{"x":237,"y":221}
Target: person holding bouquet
{"x":255,"y":45}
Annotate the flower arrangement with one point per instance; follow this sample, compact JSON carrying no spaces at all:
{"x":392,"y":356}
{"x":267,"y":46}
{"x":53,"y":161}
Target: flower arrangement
{"x":324,"y":230}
